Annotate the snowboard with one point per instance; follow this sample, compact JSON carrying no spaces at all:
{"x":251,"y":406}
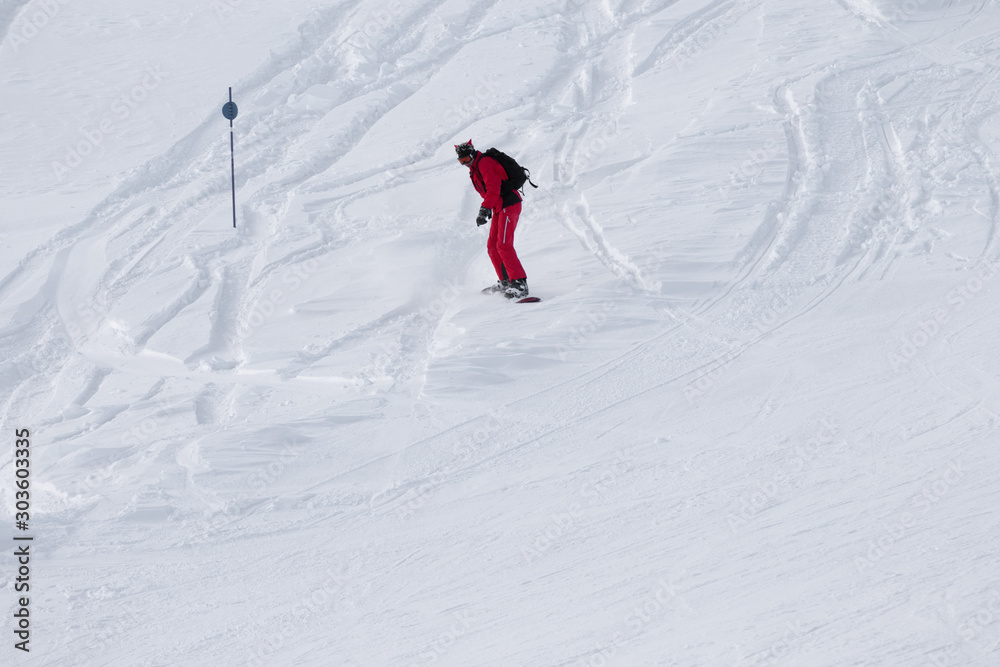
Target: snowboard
{"x":528,"y":299}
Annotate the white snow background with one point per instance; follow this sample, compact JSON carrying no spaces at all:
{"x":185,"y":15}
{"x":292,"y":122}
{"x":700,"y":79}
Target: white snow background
{"x":752,"y":422}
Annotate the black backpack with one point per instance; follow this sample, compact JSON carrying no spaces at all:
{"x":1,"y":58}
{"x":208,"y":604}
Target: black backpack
{"x":516,"y":174}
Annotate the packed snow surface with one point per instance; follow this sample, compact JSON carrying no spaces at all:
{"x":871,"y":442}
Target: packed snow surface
{"x":752,"y":422}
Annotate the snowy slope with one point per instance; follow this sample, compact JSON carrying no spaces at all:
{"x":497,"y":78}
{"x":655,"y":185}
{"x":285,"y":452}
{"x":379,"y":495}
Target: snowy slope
{"x":753,"y":421}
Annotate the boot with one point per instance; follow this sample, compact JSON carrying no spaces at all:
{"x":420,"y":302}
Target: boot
{"x":499,"y":286}
{"x":517,"y":289}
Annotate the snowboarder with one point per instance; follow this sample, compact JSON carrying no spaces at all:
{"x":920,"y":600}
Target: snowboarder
{"x":502,"y":204}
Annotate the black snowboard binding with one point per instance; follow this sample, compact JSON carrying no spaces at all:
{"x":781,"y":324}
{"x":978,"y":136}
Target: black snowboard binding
{"x":517,"y":289}
{"x":499,"y":286}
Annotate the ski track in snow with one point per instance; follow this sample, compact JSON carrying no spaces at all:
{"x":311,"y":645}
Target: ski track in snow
{"x":183,"y":421}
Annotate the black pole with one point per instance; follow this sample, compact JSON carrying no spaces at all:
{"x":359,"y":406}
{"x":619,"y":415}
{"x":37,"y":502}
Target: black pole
{"x":232,"y":158}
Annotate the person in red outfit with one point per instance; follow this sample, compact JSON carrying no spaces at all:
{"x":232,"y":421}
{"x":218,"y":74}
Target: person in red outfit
{"x":503,"y":205}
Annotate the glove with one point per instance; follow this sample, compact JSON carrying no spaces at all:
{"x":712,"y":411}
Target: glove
{"x":484,"y":215}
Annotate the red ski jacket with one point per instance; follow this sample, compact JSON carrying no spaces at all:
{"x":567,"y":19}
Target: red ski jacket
{"x":487,"y":177}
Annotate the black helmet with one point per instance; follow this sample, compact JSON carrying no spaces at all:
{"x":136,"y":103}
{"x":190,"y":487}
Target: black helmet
{"x":466,"y":150}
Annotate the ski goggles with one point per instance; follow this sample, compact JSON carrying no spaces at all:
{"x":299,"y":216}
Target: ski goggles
{"x":465,"y":159}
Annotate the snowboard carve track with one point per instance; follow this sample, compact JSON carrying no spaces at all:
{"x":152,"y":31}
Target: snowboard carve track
{"x":593,"y":239}
{"x":717,"y":17}
{"x":8,"y":12}
{"x":186,"y":166}
{"x":442,"y":461}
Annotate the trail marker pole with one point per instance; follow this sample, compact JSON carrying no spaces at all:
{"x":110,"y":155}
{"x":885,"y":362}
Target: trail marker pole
{"x":229,"y":110}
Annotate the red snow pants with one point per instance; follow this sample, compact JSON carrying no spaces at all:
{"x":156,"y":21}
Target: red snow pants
{"x":500,"y":245}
